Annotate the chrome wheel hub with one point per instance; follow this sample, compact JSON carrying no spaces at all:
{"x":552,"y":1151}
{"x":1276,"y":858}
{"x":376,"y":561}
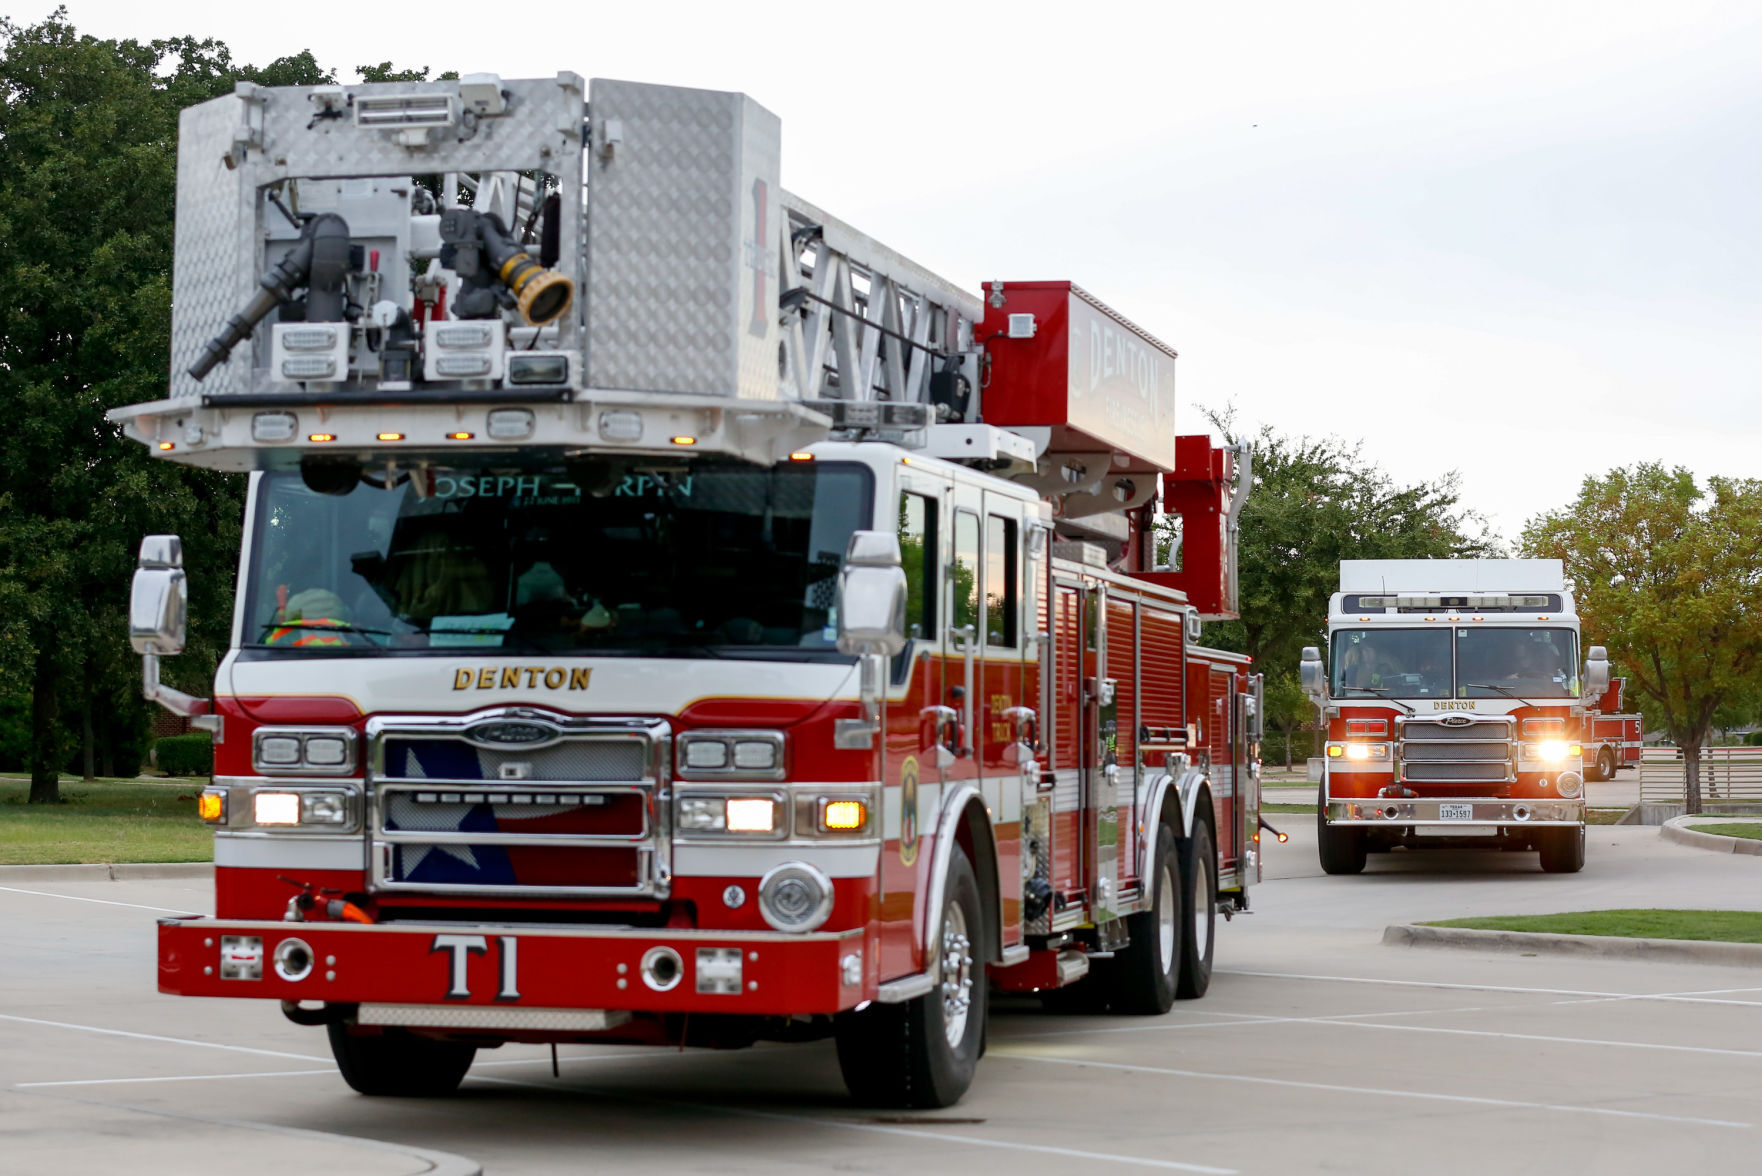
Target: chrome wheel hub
{"x":1166,"y":928}
{"x":1201,"y":909}
{"x":957,"y":973}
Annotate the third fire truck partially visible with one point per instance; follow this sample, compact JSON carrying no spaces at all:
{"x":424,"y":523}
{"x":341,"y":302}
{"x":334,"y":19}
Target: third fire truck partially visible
{"x":1456,"y":711}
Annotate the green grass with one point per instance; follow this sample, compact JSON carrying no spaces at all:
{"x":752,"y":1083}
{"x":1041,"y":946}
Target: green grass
{"x":1728,"y":926}
{"x":1749,"y":829}
{"x":1287,"y":808}
{"x":107,"y":821}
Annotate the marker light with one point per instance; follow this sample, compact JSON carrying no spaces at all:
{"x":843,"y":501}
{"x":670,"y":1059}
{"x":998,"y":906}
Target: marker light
{"x":276,"y":808}
{"x":391,"y":436}
{"x":460,"y":436}
{"x":211,"y":805}
{"x":685,"y":440}
{"x":801,"y":455}
{"x":844,"y":816}
{"x":1335,"y":751}
{"x":321,"y":437}
{"x":163,"y":445}
{"x":752,"y":814}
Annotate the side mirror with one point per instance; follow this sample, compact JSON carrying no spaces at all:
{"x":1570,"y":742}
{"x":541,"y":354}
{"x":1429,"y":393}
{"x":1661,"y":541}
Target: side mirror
{"x":1312,"y":674}
{"x":1596,"y":671}
{"x":871,"y":595}
{"x":159,"y":598}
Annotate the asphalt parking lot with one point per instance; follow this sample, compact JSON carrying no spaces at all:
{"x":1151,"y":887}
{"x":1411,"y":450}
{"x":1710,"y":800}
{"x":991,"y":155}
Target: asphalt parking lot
{"x":1317,"y":1050}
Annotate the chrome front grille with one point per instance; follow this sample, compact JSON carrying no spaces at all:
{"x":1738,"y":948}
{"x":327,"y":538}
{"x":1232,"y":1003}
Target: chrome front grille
{"x":1437,"y":751}
{"x":575,"y":808}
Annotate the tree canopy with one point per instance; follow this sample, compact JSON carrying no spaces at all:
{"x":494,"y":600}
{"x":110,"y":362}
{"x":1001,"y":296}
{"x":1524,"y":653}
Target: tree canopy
{"x":88,"y":155}
{"x":1668,"y":574}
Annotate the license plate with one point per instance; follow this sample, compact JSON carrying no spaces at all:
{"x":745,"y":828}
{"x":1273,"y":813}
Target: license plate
{"x":1456,"y":812}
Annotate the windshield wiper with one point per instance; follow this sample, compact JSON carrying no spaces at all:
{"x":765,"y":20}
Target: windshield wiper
{"x":1510,"y":693}
{"x":1381,"y":693}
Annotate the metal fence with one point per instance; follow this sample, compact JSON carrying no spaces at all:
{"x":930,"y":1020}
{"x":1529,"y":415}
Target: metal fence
{"x":1729,"y":775}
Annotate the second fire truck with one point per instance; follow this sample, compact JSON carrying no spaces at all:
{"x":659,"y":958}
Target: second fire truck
{"x":667,"y":615}
{"x":1455,"y":709}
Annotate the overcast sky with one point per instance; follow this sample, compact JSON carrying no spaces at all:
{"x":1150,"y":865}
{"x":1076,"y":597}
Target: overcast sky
{"x":1519,"y":240}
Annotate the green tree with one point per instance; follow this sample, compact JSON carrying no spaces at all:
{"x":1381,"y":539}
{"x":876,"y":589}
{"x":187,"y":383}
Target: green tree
{"x":88,"y":134}
{"x":1666,"y":571}
{"x":1315,"y":502}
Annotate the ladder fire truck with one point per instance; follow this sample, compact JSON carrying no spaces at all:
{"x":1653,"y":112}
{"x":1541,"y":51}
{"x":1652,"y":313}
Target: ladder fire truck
{"x":1456,"y":711}
{"x":666,"y":614}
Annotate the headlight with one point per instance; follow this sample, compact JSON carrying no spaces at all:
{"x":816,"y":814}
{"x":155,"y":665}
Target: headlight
{"x":750,"y":815}
{"x":1557,"y":751}
{"x":320,"y":751}
{"x":1358,"y":752}
{"x":309,"y":807}
{"x":730,"y":755}
{"x":275,"y":808}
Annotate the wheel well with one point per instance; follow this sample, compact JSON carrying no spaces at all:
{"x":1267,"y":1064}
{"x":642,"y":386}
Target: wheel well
{"x":974,"y":836}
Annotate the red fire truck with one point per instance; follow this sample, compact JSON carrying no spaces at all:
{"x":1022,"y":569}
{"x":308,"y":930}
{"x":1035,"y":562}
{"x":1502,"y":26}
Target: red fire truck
{"x":667,"y":615}
{"x":1612,"y":740}
{"x":1455,"y":710}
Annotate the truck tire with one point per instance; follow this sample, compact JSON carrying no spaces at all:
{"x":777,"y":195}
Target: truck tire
{"x":922,"y":1052}
{"x":1606,"y":763}
{"x":1563,"y":850}
{"x":398,"y":1064}
{"x":1341,"y":847}
{"x":1144,"y":976}
{"x":1198,"y":911}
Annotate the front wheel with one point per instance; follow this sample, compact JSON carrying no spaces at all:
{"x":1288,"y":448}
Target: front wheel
{"x":397,"y":1063}
{"x":1563,"y":850}
{"x":922,"y":1052}
{"x":1342,"y":847}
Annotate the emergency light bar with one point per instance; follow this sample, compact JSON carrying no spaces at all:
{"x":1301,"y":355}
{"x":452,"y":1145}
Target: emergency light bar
{"x":1493,"y":602}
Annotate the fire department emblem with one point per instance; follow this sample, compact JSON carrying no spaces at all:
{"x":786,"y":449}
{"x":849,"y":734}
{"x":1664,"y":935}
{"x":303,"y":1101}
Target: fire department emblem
{"x":908,"y":811}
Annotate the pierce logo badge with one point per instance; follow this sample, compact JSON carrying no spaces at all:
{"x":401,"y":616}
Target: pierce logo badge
{"x":512,"y":734}
{"x":1456,"y":720}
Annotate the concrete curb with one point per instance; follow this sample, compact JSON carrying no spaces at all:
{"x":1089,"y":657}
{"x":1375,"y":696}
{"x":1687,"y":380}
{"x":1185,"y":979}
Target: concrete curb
{"x":107,"y":872}
{"x":1678,"y":830}
{"x":1675,"y":951}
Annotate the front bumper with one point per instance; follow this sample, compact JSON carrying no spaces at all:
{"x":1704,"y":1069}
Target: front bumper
{"x":1394,"y":812}
{"x":451,"y":965}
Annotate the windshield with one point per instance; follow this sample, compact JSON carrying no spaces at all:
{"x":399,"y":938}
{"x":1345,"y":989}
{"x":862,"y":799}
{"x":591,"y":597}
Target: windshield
{"x":1461,"y":663}
{"x":725,"y":555}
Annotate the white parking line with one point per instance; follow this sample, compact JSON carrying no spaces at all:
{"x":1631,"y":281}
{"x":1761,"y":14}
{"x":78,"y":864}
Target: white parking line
{"x":1686,"y":998}
{"x":268,"y":1053}
{"x":1694,"y":1049}
{"x":166,"y":1078}
{"x":881,"y":1129}
{"x":100,"y":901}
{"x":1235,"y":1020}
{"x":1427,"y":1096}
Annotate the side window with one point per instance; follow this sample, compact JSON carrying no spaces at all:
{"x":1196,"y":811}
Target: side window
{"x":964,"y":575}
{"x":919,"y":556}
{"x":1002,"y":597}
